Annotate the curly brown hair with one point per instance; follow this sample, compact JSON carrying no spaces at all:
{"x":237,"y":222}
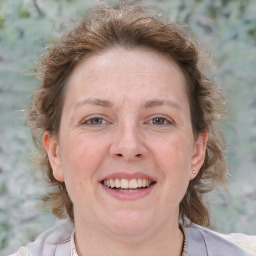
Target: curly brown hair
{"x":129,"y":26}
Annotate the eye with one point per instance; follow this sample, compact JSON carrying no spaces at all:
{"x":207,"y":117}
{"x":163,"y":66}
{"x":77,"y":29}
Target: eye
{"x":95,"y":121}
{"x":160,"y":121}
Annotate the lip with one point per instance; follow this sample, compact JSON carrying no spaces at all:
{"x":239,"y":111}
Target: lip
{"x":128,"y":196}
{"x":128,"y":176}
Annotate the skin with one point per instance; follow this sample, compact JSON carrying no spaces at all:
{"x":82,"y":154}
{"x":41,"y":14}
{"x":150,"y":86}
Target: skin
{"x":141,"y":85}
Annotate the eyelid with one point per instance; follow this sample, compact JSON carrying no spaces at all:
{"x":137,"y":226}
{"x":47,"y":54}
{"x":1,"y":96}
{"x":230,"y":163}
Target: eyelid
{"x":168,"y":119}
{"x":91,"y":117}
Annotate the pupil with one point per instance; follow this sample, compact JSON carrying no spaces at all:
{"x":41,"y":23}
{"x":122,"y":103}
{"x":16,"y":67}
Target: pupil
{"x":96,"y":121}
{"x":158,"y":120}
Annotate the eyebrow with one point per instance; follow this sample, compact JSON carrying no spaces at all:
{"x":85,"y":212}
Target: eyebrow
{"x":96,"y":102}
{"x":108,"y":104}
{"x":156,"y":103}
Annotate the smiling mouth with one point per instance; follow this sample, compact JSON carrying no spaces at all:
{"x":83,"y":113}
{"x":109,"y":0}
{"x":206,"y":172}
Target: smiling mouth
{"x":128,"y":186}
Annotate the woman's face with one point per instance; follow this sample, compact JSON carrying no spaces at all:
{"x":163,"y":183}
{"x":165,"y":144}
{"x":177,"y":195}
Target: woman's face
{"x":126,"y":124}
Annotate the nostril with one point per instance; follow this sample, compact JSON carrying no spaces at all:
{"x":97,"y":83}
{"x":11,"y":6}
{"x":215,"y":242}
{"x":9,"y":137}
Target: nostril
{"x":137,"y":156}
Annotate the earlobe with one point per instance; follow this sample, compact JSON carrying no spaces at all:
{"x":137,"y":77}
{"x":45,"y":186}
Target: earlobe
{"x":51,"y":146}
{"x":199,"y":154}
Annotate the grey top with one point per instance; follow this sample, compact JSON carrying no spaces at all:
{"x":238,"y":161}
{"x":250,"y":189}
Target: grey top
{"x":200,"y":242}
{"x":204,"y":242}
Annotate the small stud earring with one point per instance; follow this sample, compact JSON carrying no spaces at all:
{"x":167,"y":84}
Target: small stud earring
{"x":194,"y":172}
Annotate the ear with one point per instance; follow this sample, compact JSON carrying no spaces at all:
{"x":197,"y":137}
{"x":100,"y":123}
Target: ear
{"x":199,"y":154}
{"x":51,"y":146}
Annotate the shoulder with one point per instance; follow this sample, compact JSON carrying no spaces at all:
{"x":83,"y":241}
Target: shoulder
{"x":247,"y":242}
{"x":21,"y":252}
{"x":52,"y":242}
{"x":213,"y":243}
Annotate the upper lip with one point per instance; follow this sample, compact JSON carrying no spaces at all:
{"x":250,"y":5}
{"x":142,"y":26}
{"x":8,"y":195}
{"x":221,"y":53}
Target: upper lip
{"x":128,"y":176}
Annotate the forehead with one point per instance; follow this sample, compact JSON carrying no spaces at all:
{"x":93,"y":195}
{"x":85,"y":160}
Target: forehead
{"x":122,"y":74}
{"x":148,"y":58}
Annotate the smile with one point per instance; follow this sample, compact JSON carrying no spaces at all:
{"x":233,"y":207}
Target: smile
{"x":128,"y":188}
{"x":128,"y":185}
{"x":125,"y":184}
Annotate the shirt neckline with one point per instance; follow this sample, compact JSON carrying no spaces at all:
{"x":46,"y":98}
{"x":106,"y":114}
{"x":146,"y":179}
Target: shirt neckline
{"x":184,"y":250}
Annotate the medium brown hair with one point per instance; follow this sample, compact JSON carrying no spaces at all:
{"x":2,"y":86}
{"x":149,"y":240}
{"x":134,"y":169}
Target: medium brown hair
{"x":129,"y":26}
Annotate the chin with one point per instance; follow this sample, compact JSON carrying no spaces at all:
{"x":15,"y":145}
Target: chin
{"x":130,"y":223}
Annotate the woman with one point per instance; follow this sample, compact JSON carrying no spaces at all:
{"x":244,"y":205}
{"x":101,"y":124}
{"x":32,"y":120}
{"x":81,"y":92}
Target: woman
{"x":124,"y":123}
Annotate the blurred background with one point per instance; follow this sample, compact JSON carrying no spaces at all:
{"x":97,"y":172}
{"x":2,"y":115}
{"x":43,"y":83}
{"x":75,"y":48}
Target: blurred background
{"x":225,"y":29}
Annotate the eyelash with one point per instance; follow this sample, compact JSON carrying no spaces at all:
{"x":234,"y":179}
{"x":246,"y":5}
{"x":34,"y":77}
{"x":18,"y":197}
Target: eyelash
{"x":88,"y":122}
{"x":165,"y":120}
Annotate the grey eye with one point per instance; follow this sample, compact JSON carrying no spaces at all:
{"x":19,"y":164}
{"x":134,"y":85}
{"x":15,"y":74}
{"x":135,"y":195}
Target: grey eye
{"x":95,"y":121}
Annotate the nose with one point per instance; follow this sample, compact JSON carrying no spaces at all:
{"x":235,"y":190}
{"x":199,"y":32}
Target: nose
{"x":128,"y":144}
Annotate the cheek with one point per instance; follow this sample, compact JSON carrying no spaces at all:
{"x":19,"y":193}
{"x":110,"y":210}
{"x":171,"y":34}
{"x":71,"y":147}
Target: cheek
{"x":81,"y":158}
{"x":81,"y":153}
{"x":174,"y":159}
{"x":175,"y":155}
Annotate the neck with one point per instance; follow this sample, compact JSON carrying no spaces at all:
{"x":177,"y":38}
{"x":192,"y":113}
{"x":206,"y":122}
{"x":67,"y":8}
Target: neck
{"x":165,"y":242}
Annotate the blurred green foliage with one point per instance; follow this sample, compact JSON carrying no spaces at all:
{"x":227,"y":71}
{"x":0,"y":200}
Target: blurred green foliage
{"x":225,"y":29}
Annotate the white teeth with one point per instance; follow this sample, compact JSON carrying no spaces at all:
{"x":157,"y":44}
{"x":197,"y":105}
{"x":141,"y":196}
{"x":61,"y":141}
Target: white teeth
{"x":127,"y":184}
{"x":133,"y":183}
{"x":117,"y":183}
{"x":112,"y":183}
{"x":124,"y":183}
